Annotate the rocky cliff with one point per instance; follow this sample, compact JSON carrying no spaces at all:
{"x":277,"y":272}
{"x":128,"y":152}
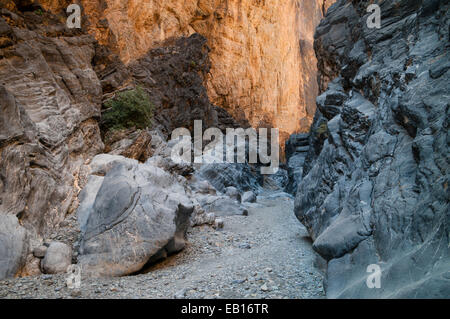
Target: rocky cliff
{"x":263,"y":67}
{"x":50,"y":98}
{"x":375,"y":182}
{"x":53,"y":84}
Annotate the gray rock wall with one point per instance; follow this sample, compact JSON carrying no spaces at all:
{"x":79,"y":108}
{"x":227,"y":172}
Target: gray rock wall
{"x":297,"y":147}
{"x":50,"y":99}
{"x":375,"y":181}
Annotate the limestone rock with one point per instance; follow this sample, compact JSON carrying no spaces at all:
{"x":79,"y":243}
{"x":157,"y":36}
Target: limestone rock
{"x":200,"y":217}
{"x":202,"y":187}
{"x":40,"y":251}
{"x":374,"y":188}
{"x":241,"y":176}
{"x":139,"y":211}
{"x":279,"y":180}
{"x":50,"y":100}
{"x":57,"y":258}
{"x":233,"y":193}
{"x":222,"y":205}
{"x":173,"y":75}
{"x":249,"y":197}
{"x":263,"y":67}
{"x":297,"y":147}
{"x":218,"y":223}
{"x":130,"y":143}
{"x":13,"y":246}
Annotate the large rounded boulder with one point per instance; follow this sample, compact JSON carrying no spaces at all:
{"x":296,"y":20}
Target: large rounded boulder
{"x":139,"y":212}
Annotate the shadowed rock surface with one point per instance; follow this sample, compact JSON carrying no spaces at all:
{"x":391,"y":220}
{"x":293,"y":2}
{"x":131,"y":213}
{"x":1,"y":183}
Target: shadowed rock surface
{"x":57,"y":258}
{"x":242,"y":176}
{"x":375,"y":181}
{"x":173,"y":74}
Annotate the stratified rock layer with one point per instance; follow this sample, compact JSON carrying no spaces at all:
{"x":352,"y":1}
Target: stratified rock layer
{"x":52,"y":83}
{"x":375,"y":186}
{"x":133,"y":213}
{"x":49,"y":100}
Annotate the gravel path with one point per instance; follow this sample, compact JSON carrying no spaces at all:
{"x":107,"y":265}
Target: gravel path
{"x":263,"y":255}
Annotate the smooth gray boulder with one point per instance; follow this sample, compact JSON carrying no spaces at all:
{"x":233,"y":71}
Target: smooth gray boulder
{"x":57,"y":258}
{"x":374,"y":189}
{"x":249,"y":197}
{"x":40,"y":251}
{"x":87,"y":199}
{"x":13,"y":246}
{"x":139,"y":212}
{"x":233,"y":193}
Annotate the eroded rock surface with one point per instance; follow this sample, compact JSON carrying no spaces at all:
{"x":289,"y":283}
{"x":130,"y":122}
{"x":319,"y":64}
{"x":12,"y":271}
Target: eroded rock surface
{"x":53,"y":83}
{"x":263,"y":67}
{"x":138,"y":211}
{"x":13,"y":246}
{"x":375,"y":181}
{"x":297,"y":147}
{"x":50,"y":98}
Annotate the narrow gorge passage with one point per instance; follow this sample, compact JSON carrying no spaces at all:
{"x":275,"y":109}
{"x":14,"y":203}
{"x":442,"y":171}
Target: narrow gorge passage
{"x":266,"y":254}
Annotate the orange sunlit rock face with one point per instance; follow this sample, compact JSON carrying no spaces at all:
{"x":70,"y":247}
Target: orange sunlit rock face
{"x":263,"y":66}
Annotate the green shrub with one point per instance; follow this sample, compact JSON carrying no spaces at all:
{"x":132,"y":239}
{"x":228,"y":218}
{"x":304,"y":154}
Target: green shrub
{"x":128,"y":109}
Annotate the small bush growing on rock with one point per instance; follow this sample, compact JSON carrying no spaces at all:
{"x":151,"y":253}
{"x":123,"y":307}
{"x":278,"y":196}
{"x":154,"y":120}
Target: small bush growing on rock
{"x":128,"y":109}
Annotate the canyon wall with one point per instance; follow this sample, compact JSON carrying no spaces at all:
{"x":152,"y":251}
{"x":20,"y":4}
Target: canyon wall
{"x":53,"y":84}
{"x":374,"y":189}
{"x":255,"y":59}
{"x":263,"y":68}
